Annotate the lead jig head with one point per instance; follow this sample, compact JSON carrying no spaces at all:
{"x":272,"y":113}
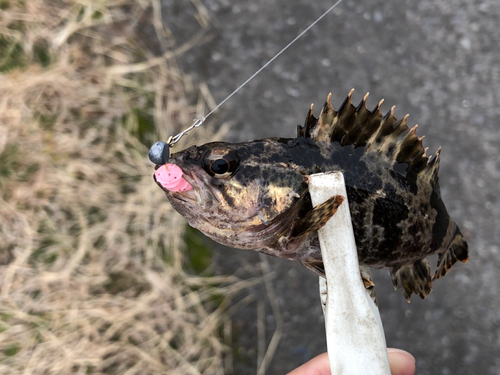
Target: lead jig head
{"x":159,"y":153}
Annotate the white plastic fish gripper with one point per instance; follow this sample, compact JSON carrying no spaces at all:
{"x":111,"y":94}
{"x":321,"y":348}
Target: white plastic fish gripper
{"x":354,"y":333}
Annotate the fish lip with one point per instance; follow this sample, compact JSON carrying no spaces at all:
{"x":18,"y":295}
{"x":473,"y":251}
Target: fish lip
{"x":205,"y":191}
{"x":188,"y":196}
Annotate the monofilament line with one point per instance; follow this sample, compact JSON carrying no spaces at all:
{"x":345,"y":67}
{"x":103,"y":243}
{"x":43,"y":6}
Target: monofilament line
{"x":172,"y":140}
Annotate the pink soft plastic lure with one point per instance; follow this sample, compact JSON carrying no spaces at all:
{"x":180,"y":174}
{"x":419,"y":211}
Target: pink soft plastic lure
{"x":170,"y":177}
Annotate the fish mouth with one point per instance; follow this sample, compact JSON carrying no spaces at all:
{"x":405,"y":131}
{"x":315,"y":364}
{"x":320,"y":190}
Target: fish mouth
{"x":185,"y":196}
{"x":200,"y":194}
{"x":188,"y":196}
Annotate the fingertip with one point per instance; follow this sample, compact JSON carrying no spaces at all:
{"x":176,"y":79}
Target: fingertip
{"x":319,"y":365}
{"x":401,"y":362}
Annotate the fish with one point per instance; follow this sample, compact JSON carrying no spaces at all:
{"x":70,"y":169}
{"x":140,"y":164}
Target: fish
{"x":254,"y":195}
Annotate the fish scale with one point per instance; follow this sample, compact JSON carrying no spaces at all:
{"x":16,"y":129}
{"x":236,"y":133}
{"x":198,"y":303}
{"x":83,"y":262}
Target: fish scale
{"x":254,"y":195}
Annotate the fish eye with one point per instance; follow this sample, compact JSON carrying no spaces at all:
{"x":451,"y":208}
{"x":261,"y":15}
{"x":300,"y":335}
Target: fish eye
{"x":221,"y":164}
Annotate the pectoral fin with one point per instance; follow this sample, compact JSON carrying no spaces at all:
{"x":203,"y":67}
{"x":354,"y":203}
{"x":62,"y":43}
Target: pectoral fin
{"x":317,"y":217}
{"x":366,"y":276}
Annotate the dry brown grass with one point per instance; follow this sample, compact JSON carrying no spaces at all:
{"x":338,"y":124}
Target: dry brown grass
{"x":90,"y":250}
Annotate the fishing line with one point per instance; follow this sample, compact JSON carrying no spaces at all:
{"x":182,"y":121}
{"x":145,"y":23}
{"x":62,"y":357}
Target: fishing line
{"x":174,"y":139}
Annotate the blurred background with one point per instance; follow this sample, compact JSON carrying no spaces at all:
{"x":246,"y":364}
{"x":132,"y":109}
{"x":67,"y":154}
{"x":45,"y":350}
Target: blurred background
{"x":99,"y":275}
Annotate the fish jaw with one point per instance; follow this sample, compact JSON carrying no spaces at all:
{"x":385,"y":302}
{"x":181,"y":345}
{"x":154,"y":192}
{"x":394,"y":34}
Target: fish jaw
{"x":174,"y":182}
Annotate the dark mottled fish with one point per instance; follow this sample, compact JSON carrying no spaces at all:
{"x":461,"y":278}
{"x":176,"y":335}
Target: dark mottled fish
{"x":254,"y":195}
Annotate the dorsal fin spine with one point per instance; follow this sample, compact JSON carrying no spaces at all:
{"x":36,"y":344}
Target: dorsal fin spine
{"x":309,"y":124}
{"x":360,"y":128}
{"x":326,"y":120}
{"x":433,"y":165}
{"x":382,"y":134}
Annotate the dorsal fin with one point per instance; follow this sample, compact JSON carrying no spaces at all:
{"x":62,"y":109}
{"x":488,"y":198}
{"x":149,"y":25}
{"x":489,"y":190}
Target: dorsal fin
{"x":432,"y":170}
{"x":360,"y":127}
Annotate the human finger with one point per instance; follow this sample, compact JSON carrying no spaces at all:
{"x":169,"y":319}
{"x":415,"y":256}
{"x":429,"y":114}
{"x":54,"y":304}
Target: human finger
{"x":401,"y":362}
{"x":317,"y":366}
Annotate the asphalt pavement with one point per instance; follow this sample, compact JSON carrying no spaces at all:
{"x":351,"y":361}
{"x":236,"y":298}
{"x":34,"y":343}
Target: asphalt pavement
{"x":437,"y":60}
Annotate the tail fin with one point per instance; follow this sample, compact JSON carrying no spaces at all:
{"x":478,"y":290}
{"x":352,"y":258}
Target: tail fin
{"x":456,"y":250}
{"x":413,"y":278}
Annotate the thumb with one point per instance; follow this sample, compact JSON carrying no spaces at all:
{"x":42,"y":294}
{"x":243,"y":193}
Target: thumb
{"x":401,"y":362}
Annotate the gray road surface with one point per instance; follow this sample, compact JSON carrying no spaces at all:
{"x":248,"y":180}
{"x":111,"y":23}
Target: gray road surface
{"x":437,"y":60}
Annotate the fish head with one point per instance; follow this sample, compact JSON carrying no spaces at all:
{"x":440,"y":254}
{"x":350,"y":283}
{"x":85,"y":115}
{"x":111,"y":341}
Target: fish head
{"x":237,"y":194}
